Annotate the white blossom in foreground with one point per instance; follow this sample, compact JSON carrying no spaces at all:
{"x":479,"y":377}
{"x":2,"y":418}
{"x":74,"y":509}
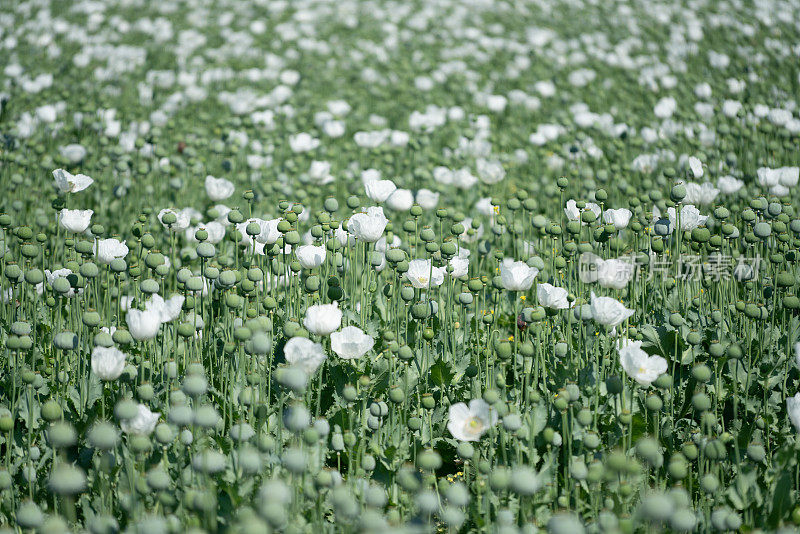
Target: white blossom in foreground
{"x":142,"y":424}
{"x":304,"y":353}
{"x":168,"y":310}
{"x":793,"y":410}
{"x":107,"y":250}
{"x":690,"y":218}
{"x":618,"y":217}
{"x":469,"y":423}
{"x":108,"y":363}
{"x":639,"y":365}
{"x":379,"y":190}
{"x":322,"y":319}
{"x":517,"y":275}
{"x":608,"y":311}
{"x":75,"y":221}
{"x":369,"y":226}
{"x":218,"y":188}
{"x":67,"y":182}
{"x":552,"y":297}
{"x":143,"y":324}
{"x":310,"y":256}
{"x":351,"y":342}
{"x":422,"y":274}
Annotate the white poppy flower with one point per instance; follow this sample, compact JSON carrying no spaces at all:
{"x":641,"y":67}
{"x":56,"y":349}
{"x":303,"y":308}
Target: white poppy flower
{"x":690,"y":217}
{"x":517,"y":275}
{"x":69,"y":183}
{"x":322,"y":319}
{"x":700,"y":194}
{"x":108,"y":363}
{"x":107,"y":250}
{"x":460,"y":267}
{"x":219,"y":188}
{"x":427,"y":199}
{"x":351,"y":342}
{"x":422,"y":274}
{"x":729,"y":185}
{"x":143,"y":324}
{"x":639,"y":365}
{"x":74,"y":153}
{"x":490,"y":172}
{"x":304,"y":353}
{"x":552,"y":297}
{"x":310,"y":256}
{"x":319,"y":173}
{"x":614,"y":273}
{"x":469,"y":423}
{"x":142,"y":424}
{"x":369,"y":226}
{"x":168,"y":310}
{"x":608,"y":311}
{"x":696,"y":166}
{"x":302,"y":142}
{"x":665,"y":107}
{"x":793,"y":410}
{"x":75,"y":221}
{"x":379,"y":190}
{"x":400,"y":200}
{"x":618,"y":217}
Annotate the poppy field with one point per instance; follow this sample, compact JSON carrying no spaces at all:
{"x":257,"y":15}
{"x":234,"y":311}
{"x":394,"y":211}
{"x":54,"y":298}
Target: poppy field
{"x":414,"y":266}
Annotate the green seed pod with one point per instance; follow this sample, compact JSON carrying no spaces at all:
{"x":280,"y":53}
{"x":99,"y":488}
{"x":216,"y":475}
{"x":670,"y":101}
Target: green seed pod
{"x":67,"y":480}
{"x":499,"y":478}
{"x":584,"y":417}
{"x":689,"y":450}
{"x":34,"y":277}
{"x":103,"y":436}
{"x":90,"y":318}
{"x":66,"y":340}
{"x":465,"y":450}
{"x":6,"y":423}
{"x":784,"y":279}
{"x":701,"y":402}
{"x":675,"y":320}
{"x":709,"y":483}
{"x":613,"y":385}
{"x":677,"y":193}
{"x":654,"y":402}
{"x":122,"y":337}
{"x":126,"y":409}
{"x":756,"y":452}
{"x":491,"y":396}
{"x":596,"y":471}
{"x":429,"y":460}
{"x":504,"y":350}
{"x":591,"y":440}
{"x":29,"y":515}
{"x":51,"y":411}
{"x":701,"y":373}
{"x":734,"y":352}
{"x":762,"y":230}
{"x":62,"y":435}
{"x":414,"y":423}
